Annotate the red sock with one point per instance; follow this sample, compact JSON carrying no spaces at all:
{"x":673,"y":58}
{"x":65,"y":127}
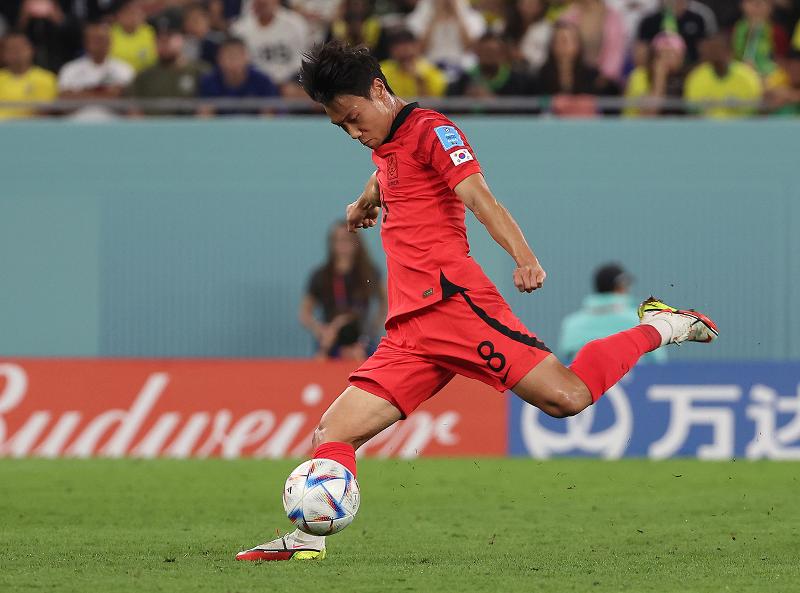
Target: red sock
{"x":344,"y":453}
{"x":601,"y":363}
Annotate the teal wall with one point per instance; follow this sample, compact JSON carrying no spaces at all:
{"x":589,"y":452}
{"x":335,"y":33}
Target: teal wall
{"x":195,"y":238}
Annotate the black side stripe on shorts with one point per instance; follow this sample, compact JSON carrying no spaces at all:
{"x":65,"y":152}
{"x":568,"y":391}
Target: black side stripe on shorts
{"x":449,"y":289}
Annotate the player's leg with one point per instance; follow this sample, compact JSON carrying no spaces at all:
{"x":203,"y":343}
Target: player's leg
{"x":355,"y":417}
{"x":561,"y":391}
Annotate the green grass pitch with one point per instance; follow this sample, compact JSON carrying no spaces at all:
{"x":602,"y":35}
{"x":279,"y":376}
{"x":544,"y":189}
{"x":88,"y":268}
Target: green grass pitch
{"x":427,"y":525}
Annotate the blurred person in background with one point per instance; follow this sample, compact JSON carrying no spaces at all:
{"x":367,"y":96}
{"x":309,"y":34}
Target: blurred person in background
{"x":172,"y":76}
{"x":200,"y":41}
{"x":448,"y":30}
{"x":632,"y":13}
{"x":720,"y":78}
{"x":796,"y":37}
{"x":408,"y":73}
{"x":692,"y":20}
{"x":785,"y":99}
{"x":608,"y":310}
{"x":96,"y":75}
{"x":603,"y":36}
{"x":494,"y":13}
{"x":556,"y":8}
{"x":528,"y":27}
{"x":662,"y":77}
{"x":494,"y":74}
{"x":234,"y":77}
{"x":357,"y":25}
{"x":20,"y":80}
{"x":568,"y":78}
{"x":132,"y":39}
{"x":319,"y":15}
{"x":276,"y":38}
{"x":55,"y":35}
{"x":757,"y":40}
{"x":344,"y":290}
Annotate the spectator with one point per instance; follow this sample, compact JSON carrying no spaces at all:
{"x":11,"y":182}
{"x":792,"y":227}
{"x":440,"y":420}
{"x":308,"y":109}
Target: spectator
{"x":56,"y":36}
{"x":200,"y":41}
{"x":720,"y":78}
{"x":632,"y":13}
{"x":603,"y":36}
{"x":691,"y":20}
{"x":276,"y":38}
{"x":796,"y":37}
{"x":494,"y":74}
{"x":785,"y":99}
{"x":95,"y":75}
{"x":757,"y":40}
{"x":356,"y":25}
{"x":448,"y":29}
{"x":408,"y":73}
{"x":235,"y":76}
{"x":343,"y":288}
{"x":132,"y":39}
{"x":556,"y":9}
{"x":608,"y":310}
{"x":530,"y":30}
{"x":494,"y":14}
{"x":20,"y":80}
{"x":662,"y":77}
{"x":566,"y":72}
{"x":172,"y":76}
{"x":319,"y":15}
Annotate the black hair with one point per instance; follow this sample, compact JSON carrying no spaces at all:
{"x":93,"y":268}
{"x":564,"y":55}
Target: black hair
{"x":336,"y":68}
{"x":230,"y":41}
{"x":402,"y":36}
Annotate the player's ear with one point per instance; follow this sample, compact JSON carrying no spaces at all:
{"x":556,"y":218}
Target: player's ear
{"x":378,"y":90}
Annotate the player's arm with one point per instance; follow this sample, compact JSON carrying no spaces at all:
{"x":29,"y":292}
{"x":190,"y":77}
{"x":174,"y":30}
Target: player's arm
{"x":363,"y":213}
{"x":477,"y":196}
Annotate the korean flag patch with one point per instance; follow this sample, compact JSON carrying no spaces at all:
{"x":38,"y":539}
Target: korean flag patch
{"x":460,"y":157}
{"x":449,"y":137}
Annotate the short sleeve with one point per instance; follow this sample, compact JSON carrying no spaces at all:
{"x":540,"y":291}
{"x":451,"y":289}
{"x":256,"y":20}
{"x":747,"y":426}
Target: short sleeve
{"x":445,"y":148}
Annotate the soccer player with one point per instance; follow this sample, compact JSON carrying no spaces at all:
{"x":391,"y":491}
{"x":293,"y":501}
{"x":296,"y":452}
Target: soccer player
{"x":445,"y":316}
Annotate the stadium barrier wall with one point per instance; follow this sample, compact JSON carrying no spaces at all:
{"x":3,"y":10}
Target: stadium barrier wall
{"x":195,"y":239}
{"x":269,"y":409}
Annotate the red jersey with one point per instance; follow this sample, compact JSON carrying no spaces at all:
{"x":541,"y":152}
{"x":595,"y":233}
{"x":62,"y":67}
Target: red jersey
{"x":422,"y":228}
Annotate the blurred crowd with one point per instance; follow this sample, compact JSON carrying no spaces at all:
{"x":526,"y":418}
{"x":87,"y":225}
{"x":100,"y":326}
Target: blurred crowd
{"x":657,"y":53}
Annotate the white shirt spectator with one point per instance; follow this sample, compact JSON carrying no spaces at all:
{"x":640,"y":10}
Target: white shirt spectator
{"x":276,"y":49}
{"x":445,"y":46}
{"x":321,"y":14}
{"x":535,"y":44}
{"x":632,"y":12}
{"x":84,"y":74}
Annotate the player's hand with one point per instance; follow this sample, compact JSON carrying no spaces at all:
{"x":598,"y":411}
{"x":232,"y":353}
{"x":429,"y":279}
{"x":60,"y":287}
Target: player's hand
{"x":361,"y":214}
{"x":529,"y":276}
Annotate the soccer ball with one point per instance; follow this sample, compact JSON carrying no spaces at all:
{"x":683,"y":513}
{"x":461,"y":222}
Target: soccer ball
{"x":321,"y":497}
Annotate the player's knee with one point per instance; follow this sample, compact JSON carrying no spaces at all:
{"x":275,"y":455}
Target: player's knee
{"x":569,"y":402}
{"x":327,"y":433}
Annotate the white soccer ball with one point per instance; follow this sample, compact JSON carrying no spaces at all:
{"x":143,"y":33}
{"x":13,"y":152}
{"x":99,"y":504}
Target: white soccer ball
{"x":321,"y":497}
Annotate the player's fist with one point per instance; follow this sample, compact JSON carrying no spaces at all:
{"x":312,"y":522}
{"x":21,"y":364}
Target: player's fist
{"x":361,"y":215}
{"x":529,"y":276}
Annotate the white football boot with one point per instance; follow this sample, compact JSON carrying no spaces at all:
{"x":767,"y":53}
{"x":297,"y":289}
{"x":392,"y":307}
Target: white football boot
{"x":677,"y":325}
{"x":292,"y":546}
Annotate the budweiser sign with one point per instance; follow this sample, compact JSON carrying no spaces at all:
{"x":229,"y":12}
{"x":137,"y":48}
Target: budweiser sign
{"x":263,"y":409}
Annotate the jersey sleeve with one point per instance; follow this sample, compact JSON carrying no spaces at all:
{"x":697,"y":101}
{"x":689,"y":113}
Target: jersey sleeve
{"x":445,"y":148}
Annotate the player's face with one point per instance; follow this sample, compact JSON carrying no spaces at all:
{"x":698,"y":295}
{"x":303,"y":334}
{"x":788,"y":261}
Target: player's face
{"x":365,"y":120}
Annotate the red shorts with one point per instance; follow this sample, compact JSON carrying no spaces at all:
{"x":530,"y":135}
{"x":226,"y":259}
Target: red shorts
{"x":472,"y":333}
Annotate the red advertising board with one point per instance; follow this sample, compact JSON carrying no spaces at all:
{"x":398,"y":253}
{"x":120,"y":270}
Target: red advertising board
{"x":217,"y":408}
